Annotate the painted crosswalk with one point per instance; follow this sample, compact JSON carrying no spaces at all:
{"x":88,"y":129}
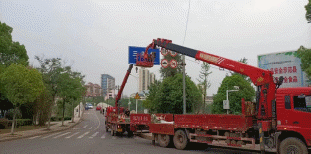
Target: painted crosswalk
{"x":83,"y":134}
{"x":94,"y":135}
{"x":72,"y":135}
{"x":68,"y":135}
{"x":61,"y":135}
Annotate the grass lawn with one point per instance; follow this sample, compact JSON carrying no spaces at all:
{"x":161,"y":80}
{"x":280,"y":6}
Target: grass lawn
{"x":22,"y":128}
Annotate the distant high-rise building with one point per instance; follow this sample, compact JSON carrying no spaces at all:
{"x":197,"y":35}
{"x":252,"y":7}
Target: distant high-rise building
{"x":151,"y":78}
{"x":108,"y":85}
{"x":145,"y":79}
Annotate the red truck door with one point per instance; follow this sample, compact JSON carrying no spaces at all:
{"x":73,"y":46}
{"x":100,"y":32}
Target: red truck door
{"x":297,"y":114}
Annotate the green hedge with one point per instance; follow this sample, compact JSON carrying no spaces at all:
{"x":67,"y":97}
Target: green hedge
{"x":19,"y":122}
{"x":60,"y":118}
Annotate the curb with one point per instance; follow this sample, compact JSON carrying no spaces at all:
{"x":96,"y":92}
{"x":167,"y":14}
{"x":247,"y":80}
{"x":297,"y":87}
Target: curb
{"x":48,"y":132}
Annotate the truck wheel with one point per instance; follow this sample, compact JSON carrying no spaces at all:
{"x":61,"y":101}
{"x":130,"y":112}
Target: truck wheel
{"x":164,"y":140}
{"x":293,"y":145}
{"x":180,"y":140}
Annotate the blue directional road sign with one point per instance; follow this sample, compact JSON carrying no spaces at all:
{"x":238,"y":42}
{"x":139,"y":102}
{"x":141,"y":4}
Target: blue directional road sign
{"x":134,"y":50}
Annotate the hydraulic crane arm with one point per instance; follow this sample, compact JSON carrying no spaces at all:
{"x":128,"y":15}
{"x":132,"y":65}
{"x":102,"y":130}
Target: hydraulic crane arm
{"x":257,"y":75}
{"x":260,"y":77}
{"x":123,"y":85}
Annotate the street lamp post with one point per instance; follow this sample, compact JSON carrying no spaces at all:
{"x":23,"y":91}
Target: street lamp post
{"x":236,"y":89}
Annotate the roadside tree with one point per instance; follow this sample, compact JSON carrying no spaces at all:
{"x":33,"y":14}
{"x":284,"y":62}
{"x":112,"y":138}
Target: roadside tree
{"x":21,"y":85}
{"x":204,"y":84}
{"x":70,"y":89}
{"x":246,"y":91}
{"x":168,"y":98}
{"x":51,"y":70}
{"x":10,"y":52}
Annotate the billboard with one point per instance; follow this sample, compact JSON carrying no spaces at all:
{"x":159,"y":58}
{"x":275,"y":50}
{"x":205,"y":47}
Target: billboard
{"x":286,"y":64}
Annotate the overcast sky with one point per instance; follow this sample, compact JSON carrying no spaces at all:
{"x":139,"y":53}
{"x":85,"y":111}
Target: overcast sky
{"x":93,"y":35}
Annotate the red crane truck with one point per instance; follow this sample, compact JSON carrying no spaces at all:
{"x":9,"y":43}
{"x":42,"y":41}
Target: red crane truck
{"x":115,"y":119}
{"x":279,"y":121}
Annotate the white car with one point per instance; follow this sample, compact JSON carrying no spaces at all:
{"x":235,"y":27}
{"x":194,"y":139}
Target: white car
{"x":90,"y":106}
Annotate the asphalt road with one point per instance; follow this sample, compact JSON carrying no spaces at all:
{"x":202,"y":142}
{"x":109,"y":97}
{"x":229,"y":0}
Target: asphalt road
{"x":90,"y":137}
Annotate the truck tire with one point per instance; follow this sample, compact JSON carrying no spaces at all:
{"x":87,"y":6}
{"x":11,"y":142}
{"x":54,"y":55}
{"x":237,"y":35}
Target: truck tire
{"x":180,"y":140}
{"x":293,"y":145}
{"x":164,"y":140}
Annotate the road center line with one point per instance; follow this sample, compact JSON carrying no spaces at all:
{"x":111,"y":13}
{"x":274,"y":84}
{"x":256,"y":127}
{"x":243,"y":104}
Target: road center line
{"x":83,"y":134}
{"x":98,"y":121}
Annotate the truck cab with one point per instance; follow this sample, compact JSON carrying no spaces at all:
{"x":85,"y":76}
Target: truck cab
{"x":294,"y":113}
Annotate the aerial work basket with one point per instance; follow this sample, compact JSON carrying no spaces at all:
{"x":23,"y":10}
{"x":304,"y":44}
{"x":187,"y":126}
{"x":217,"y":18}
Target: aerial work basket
{"x":145,"y":60}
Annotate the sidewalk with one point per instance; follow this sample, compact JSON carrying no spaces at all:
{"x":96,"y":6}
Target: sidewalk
{"x":56,"y":126}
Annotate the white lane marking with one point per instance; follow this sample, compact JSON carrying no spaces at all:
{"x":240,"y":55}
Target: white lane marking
{"x":83,"y":134}
{"x":33,"y":137}
{"x":94,"y":135}
{"x":61,"y":135}
{"x":98,"y":121}
{"x":85,"y":126}
{"x":72,"y":135}
{"x":51,"y":135}
{"x":90,"y":127}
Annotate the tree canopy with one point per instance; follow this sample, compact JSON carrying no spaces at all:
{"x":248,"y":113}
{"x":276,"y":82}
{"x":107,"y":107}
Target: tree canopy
{"x":204,"y":83}
{"x":166,"y":97}
{"x":246,"y":91}
{"x":308,"y":11}
{"x":10,"y":51}
{"x":21,"y":84}
{"x":305,"y":55}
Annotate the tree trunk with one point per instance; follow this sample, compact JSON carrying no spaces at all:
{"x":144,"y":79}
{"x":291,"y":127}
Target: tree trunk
{"x":63,"y":112}
{"x":50,"y":115}
{"x":34,"y":119}
{"x":79,"y":110}
{"x":13,"y":123}
{"x":73,"y":113}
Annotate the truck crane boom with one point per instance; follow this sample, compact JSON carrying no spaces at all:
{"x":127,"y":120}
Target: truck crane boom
{"x":261,"y":78}
{"x":123,"y":85}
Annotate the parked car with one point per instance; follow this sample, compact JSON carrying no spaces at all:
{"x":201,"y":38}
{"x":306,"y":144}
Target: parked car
{"x":90,"y":106}
{"x":98,"y":108}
